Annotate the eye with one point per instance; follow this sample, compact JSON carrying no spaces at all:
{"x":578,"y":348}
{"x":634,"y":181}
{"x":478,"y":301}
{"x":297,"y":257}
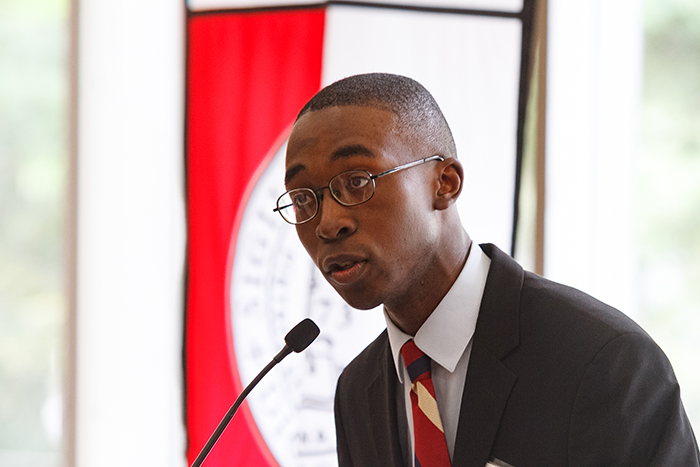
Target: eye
{"x":356,"y":181}
{"x":302,"y":199}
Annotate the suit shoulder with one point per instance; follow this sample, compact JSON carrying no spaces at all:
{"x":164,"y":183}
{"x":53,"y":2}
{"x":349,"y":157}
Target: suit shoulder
{"x":560,"y":304}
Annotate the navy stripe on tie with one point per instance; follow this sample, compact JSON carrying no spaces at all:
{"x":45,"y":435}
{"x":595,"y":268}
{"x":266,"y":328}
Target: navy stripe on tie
{"x":418,"y":367}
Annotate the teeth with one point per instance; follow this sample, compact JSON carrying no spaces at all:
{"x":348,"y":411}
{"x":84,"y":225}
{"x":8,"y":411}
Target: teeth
{"x":342,"y":266}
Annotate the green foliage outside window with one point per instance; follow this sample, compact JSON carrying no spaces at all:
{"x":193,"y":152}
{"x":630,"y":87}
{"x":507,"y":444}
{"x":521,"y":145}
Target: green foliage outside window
{"x":33,"y":158}
{"x":669,"y":189}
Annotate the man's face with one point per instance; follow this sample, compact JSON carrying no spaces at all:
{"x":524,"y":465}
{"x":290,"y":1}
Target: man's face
{"x":380,"y":251}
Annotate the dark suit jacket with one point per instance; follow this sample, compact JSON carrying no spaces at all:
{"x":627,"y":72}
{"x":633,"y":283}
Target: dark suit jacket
{"x":555,"y":378}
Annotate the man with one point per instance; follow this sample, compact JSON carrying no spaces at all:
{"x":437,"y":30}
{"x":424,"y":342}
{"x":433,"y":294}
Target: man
{"x":513,"y":369}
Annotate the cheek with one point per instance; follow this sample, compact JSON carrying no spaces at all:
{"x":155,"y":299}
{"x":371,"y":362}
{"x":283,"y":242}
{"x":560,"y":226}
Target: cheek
{"x":414,"y":239}
{"x":396,"y":237}
{"x":411,"y":222}
{"x":307,"y":238}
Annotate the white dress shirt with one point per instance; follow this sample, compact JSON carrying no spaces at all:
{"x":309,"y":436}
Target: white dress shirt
{"x":446,"y":337}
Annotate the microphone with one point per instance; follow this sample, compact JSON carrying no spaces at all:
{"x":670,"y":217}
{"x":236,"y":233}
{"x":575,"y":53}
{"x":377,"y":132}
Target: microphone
{"x":296,"y":340}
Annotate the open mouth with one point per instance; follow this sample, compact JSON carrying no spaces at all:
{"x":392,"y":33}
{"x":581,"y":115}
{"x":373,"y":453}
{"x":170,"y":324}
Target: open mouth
{"x":346,"y":272}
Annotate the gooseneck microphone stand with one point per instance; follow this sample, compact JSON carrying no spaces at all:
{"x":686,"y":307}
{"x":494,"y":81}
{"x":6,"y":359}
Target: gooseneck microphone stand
{"x":296,"y":340}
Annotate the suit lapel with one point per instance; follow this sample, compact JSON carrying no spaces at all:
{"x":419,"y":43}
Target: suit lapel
{"x":489,"y":382}
{"x":381,"y":398}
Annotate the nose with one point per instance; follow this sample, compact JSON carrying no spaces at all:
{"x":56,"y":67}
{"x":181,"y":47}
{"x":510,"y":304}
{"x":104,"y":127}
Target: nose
{"x":334,"y":220}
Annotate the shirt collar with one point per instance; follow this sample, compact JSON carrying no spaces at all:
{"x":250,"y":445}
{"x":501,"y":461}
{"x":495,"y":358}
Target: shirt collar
{"x":446,"y":333}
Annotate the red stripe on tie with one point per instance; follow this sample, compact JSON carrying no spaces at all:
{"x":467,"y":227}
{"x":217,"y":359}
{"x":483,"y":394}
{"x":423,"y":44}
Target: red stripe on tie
{"x":429,"y":440}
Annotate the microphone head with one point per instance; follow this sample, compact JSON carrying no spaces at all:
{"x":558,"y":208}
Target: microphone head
{"x":302,"y":335}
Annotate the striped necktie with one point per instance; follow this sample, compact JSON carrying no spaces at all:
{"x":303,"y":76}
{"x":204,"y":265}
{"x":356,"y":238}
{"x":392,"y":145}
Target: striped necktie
{"x":428,"y":434}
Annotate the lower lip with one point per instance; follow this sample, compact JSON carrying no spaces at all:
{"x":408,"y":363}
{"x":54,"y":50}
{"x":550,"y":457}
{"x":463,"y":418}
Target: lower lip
{"x":348,"y":276}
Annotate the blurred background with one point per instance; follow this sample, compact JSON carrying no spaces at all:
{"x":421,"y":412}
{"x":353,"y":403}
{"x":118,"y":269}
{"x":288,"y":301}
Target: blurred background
{"x":34,"y":40}
{"x":35,"y":216}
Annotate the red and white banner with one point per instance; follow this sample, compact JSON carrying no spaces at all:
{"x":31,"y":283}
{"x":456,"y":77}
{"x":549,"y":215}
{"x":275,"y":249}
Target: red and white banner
{"x":249,"y":71}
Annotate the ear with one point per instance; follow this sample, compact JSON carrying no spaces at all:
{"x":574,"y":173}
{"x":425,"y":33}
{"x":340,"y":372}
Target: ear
{"x":451,"y":175}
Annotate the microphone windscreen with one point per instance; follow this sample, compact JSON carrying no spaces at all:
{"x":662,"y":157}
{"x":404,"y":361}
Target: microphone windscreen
{"x":302,"y":335}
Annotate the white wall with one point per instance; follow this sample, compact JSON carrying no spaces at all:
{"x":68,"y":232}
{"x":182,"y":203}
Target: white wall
{"x":594,"y":76}
{"x":130,"y":234}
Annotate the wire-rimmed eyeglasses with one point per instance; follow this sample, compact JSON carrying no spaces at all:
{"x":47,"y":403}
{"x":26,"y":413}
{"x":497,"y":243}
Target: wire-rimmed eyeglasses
{"x":347,"y":188}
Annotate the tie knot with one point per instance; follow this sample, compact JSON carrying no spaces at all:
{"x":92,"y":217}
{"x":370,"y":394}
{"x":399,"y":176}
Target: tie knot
{"x":417,"y":363}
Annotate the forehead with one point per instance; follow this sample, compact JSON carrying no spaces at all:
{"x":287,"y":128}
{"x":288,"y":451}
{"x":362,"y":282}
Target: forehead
{"x":337,"y":133}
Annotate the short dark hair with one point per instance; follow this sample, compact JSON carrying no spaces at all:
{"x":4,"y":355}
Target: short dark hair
{"x":405,"y":97}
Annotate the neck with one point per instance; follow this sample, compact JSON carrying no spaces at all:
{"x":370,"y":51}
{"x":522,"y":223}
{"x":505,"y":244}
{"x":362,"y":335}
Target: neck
{"x":410,"y":311}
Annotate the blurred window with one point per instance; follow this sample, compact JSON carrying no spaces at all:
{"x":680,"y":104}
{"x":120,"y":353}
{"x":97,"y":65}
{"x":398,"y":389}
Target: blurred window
{"x":33,"y":159}
{"x":669,"y":189}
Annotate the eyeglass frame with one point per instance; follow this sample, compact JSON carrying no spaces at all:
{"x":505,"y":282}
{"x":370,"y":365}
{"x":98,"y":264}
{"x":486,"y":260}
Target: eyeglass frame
{"x":319,"y":196}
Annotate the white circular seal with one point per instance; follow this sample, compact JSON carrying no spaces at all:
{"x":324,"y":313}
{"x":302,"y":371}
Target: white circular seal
{"x":274,"y":285}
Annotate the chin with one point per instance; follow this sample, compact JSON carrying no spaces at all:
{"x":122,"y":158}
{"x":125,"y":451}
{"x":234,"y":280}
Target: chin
{"x":359,"y":301}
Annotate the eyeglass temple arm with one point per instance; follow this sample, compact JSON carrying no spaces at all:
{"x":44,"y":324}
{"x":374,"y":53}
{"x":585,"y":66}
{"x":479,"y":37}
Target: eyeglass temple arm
{"x":409,"y":165}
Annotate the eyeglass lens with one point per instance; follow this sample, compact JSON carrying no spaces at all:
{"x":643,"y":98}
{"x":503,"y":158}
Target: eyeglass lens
{"x":351,"y":188}
{"x":302,"y":205}
{"x":348,"y":188}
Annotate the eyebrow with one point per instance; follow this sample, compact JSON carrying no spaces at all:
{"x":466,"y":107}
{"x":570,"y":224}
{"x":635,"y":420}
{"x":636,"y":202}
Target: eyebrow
{"x":291,"y":173}
{"x":348,"y":151}
{"x":340,"y":153}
